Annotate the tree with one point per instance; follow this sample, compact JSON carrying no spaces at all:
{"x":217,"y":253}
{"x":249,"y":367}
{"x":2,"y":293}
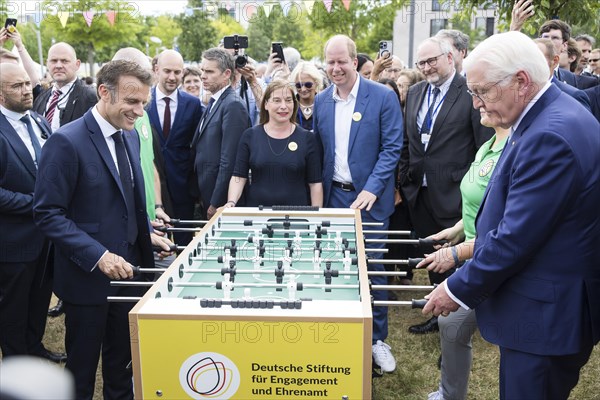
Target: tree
{"x":198,"y":34}
{"x":225,"y":25}
{"x":574,"y":12}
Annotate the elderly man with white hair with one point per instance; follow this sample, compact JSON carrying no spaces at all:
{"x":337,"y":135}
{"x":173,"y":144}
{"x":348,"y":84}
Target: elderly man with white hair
{"x":534,"y":276}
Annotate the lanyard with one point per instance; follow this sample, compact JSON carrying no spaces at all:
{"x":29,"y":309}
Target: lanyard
{"x":429,"y":116}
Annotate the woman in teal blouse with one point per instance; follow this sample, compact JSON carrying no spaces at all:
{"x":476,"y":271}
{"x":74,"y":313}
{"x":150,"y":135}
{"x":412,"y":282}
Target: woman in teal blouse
{"x":456,"y":330}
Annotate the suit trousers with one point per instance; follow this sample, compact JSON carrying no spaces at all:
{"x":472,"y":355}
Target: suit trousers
{"x":342,"y":199}
{"x":532,"y":376}
{"x":25,"y":291}
{"x":426,"y":223}
{"x":101,"y":328}
{"x":456,"y":332}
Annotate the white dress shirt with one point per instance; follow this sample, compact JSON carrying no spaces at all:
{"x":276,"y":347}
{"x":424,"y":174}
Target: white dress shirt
{"x":63,"y":99}
{"x":344,"y":110}
{"x":14,"y":118}
{"x":160,"y":105}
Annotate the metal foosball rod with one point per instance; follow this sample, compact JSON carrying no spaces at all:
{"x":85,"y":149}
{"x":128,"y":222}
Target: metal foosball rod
{"x":408,"y":288}
{"x":166,"y":229}
{"x":123,"y":299}
{"x":324,"y":223}
{"x":395,"y":233}
{"x":414,"y":303}
{"x":421,"y":242}
{"x":175,"y":221}
{"x":411,"y":262}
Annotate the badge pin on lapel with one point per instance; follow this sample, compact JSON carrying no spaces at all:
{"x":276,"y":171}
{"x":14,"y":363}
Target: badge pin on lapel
{"x":357,"y":116}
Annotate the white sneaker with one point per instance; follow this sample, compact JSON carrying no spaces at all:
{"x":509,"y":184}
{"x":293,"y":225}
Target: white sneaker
{"x":435,"y":396}
{"x":383,"y":356}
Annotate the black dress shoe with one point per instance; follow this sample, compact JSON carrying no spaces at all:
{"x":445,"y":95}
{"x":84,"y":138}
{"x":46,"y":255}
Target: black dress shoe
{"x":429,"y":326}
{"x":52,"y":356}
{"x":57,"y":310}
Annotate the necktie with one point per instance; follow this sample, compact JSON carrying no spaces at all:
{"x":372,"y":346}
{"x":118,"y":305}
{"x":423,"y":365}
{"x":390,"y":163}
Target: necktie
{"x":127,"y":185}
{"x":52,"y":107}
{"x":207,"y":111}
{"x":426,"y":128}
{"x":167,"y":118}
{"x":37,"y":149}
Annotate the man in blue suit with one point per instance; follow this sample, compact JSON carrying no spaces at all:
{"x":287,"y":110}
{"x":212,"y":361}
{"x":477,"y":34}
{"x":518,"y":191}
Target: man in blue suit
{"x":89,"y":201}
{"x":175,"y":116}
{"x":594,"y":95}
{"x":534,"y":278}
{"x":359,"y":126}
{"x":25,"y":279}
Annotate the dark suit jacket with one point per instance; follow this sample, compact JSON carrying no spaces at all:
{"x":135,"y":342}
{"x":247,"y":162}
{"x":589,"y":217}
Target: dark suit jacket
{"x":81,"y":99}
{"x":374,"y":144}
{"x":575,"y":93}
{"x":586,"y":81}
{"x":534,"y":278}
{"x":456,"y":135}
{"x":21,"y":239}
{"x":80,"y":206}
{"x":594,"y":96}
{"x":215,"y":147}
{"x":567,"y":77}
{"x":176,"y":148}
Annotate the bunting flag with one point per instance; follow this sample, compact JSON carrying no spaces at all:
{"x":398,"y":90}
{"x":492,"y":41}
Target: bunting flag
{"x":346,"y":4}
{"x":63,"y":17}
{"x":267,"y":8}
{"x":328,"y":5}
{"x":111,"y":15}
{"x":310,"y":5}
{"x":250,"y":10}
{"x":88,"y":16}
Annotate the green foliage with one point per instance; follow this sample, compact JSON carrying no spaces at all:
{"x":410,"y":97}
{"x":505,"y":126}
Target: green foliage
{"x":225,"y":25}
{"x":574,"y":12}
{"x":198,"y":34}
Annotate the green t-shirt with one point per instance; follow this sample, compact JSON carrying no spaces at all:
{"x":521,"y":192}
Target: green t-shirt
{"x":473,"y":184}
{"x":144,"y":130}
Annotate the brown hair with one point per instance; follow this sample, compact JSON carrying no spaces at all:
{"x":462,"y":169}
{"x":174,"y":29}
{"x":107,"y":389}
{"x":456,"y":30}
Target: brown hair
{"x":557,"y":24}
{"x":273,"y":86}
{"x":111,"y":72}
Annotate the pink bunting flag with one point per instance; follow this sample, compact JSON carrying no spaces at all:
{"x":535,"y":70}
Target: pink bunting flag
{"x":88,"y":16}
{"x":111,"y":16}
{"x":328,"y":4}
{"x":346,"y":4}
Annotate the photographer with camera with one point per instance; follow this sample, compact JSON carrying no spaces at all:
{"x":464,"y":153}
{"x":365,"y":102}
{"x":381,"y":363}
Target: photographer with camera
{"x":245,"y":81}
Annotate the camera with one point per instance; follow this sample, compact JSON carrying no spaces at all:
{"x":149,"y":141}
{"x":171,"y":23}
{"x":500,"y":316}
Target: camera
{"x":237,"y":42}
{"x":385,"y":49}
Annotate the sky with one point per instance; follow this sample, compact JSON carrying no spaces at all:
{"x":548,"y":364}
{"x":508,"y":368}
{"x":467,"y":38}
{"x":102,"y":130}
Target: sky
{"x":146,"y":7}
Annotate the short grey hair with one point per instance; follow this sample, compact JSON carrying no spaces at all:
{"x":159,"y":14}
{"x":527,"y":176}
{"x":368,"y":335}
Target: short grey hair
{"x":459,"y":40}
{"x":292,"y":57}
{"x":586,"y":38}
{"x":505,"y":54}
{"x":223,"y":58}
{"x":443,"y":45}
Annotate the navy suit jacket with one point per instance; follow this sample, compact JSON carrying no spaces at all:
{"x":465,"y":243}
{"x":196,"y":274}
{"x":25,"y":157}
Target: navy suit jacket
{"x":21,"y":239}
{"x":215,"y":147}
{"x":586,"y":81}
{"x":567,"y":77}
{"x":81,"y":99}
{"x":374,"y":146}
{"x":575,"y":93}
{"x":176,"y":148}
{"x":534,"y":278}
{"x":80,"y":206}
{"x":594,"y":96}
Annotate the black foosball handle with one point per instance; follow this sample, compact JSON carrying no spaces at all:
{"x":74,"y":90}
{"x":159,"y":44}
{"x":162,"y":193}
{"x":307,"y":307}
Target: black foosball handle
{"x":420,"y":303}
{"x":431,"y":242}
{"x":413,"y":262}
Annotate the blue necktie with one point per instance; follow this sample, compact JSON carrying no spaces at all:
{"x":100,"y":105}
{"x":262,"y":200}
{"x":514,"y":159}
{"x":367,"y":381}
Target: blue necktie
{"x":207,"y":111}
{"x":426,"y":128}
{"x":127,"y":184}
{"x":37,"y":149}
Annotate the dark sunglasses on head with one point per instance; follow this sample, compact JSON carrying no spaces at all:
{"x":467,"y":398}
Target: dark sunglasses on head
{"x":307,"y":85}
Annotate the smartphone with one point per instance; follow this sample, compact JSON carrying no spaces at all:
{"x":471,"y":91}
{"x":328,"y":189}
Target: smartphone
{"x":10,"y":24}
{"x":385,"y":46}
{"x":278,"y":48}
{"x":235,"y":42}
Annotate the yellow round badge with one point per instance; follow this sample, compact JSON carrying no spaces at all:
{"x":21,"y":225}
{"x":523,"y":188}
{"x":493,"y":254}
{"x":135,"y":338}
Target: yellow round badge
{"x":293,"y":146}
{"x":357,"y":116}
{"x":486,"y":168}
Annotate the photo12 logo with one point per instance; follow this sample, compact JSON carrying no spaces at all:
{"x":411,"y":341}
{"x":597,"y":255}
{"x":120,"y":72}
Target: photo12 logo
{"x":209,"y":376}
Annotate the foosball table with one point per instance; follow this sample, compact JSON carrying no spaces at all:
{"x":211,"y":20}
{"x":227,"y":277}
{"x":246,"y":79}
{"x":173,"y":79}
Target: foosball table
{"x":262,"y":304}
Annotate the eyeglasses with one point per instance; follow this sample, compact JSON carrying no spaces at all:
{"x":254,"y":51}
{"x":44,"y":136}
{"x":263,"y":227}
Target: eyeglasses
{"x":484,"y":95}
{"x":394,"y":70}
{"x":307,"y":85}
{"x":279,"y":101}
{"x":431,"y":61}
{"x":553,"y":38}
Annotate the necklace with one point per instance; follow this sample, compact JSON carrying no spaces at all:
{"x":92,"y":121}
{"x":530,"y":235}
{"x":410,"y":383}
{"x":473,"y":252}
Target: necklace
{"x":306,"y":110}
{"x":286,"y":143}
